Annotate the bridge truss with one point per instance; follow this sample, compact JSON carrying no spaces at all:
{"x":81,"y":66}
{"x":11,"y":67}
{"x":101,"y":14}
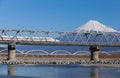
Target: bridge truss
{"x":59,"y":38}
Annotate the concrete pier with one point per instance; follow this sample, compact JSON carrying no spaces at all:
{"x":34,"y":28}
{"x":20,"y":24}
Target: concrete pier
{"x":94,"y":53}
{"x":12,"y":51}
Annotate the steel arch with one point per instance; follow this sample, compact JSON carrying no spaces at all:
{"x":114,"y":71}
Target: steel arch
{"x":59,"y":51}
{"x":43,"y":51}
{"x":81,"y":52}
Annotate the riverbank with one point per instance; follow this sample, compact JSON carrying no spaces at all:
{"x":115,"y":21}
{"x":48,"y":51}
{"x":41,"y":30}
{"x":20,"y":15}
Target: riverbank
{"x":102,"y":65}
{"x":83,"y":60}
{"x":116,"y":65}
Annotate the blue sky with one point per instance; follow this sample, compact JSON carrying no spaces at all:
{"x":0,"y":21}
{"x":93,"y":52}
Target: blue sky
{"x":60,"y":15}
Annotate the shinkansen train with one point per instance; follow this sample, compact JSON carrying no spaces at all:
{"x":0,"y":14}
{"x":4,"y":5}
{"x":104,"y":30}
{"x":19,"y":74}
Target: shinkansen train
{"x":24,"y":38}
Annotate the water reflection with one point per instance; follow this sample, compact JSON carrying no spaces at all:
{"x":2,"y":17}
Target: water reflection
{"x":52,"y":71}
{"x":94,"y":72}
{"x":11,"y":70}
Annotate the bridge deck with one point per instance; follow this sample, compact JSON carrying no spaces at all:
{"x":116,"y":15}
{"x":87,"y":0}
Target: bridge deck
{"x":58,"y":43}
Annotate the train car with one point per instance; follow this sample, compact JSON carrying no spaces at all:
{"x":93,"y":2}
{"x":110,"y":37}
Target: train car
{"x":26,"y":38}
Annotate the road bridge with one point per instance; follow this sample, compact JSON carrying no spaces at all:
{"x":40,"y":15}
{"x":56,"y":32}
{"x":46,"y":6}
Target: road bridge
{"x":38,"y":37}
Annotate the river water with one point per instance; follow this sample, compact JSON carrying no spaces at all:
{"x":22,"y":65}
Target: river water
{"x":57,"y":71}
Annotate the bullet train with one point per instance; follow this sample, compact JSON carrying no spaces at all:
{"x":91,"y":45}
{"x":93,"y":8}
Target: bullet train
{"x":26,"y":38}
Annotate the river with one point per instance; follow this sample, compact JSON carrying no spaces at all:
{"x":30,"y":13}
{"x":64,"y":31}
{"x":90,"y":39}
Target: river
{"x":57,"y":71}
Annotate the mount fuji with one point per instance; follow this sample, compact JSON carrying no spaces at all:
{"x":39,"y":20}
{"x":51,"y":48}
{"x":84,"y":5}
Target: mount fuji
{"x":94,"y":26}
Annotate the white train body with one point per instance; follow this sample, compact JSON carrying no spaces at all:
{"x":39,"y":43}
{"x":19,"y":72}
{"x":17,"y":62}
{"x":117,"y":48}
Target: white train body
{"x":24,"y":38}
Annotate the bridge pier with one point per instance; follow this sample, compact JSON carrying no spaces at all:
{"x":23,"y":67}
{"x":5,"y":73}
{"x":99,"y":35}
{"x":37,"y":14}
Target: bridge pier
{"x":12,"y":51}
{"x":94,"y":53}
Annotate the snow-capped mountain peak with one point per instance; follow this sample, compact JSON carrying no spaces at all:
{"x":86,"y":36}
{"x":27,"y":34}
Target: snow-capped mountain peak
{"x":94,"y":26}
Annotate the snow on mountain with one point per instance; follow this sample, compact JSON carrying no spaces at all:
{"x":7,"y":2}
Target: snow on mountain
{"x":94,"y":26}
